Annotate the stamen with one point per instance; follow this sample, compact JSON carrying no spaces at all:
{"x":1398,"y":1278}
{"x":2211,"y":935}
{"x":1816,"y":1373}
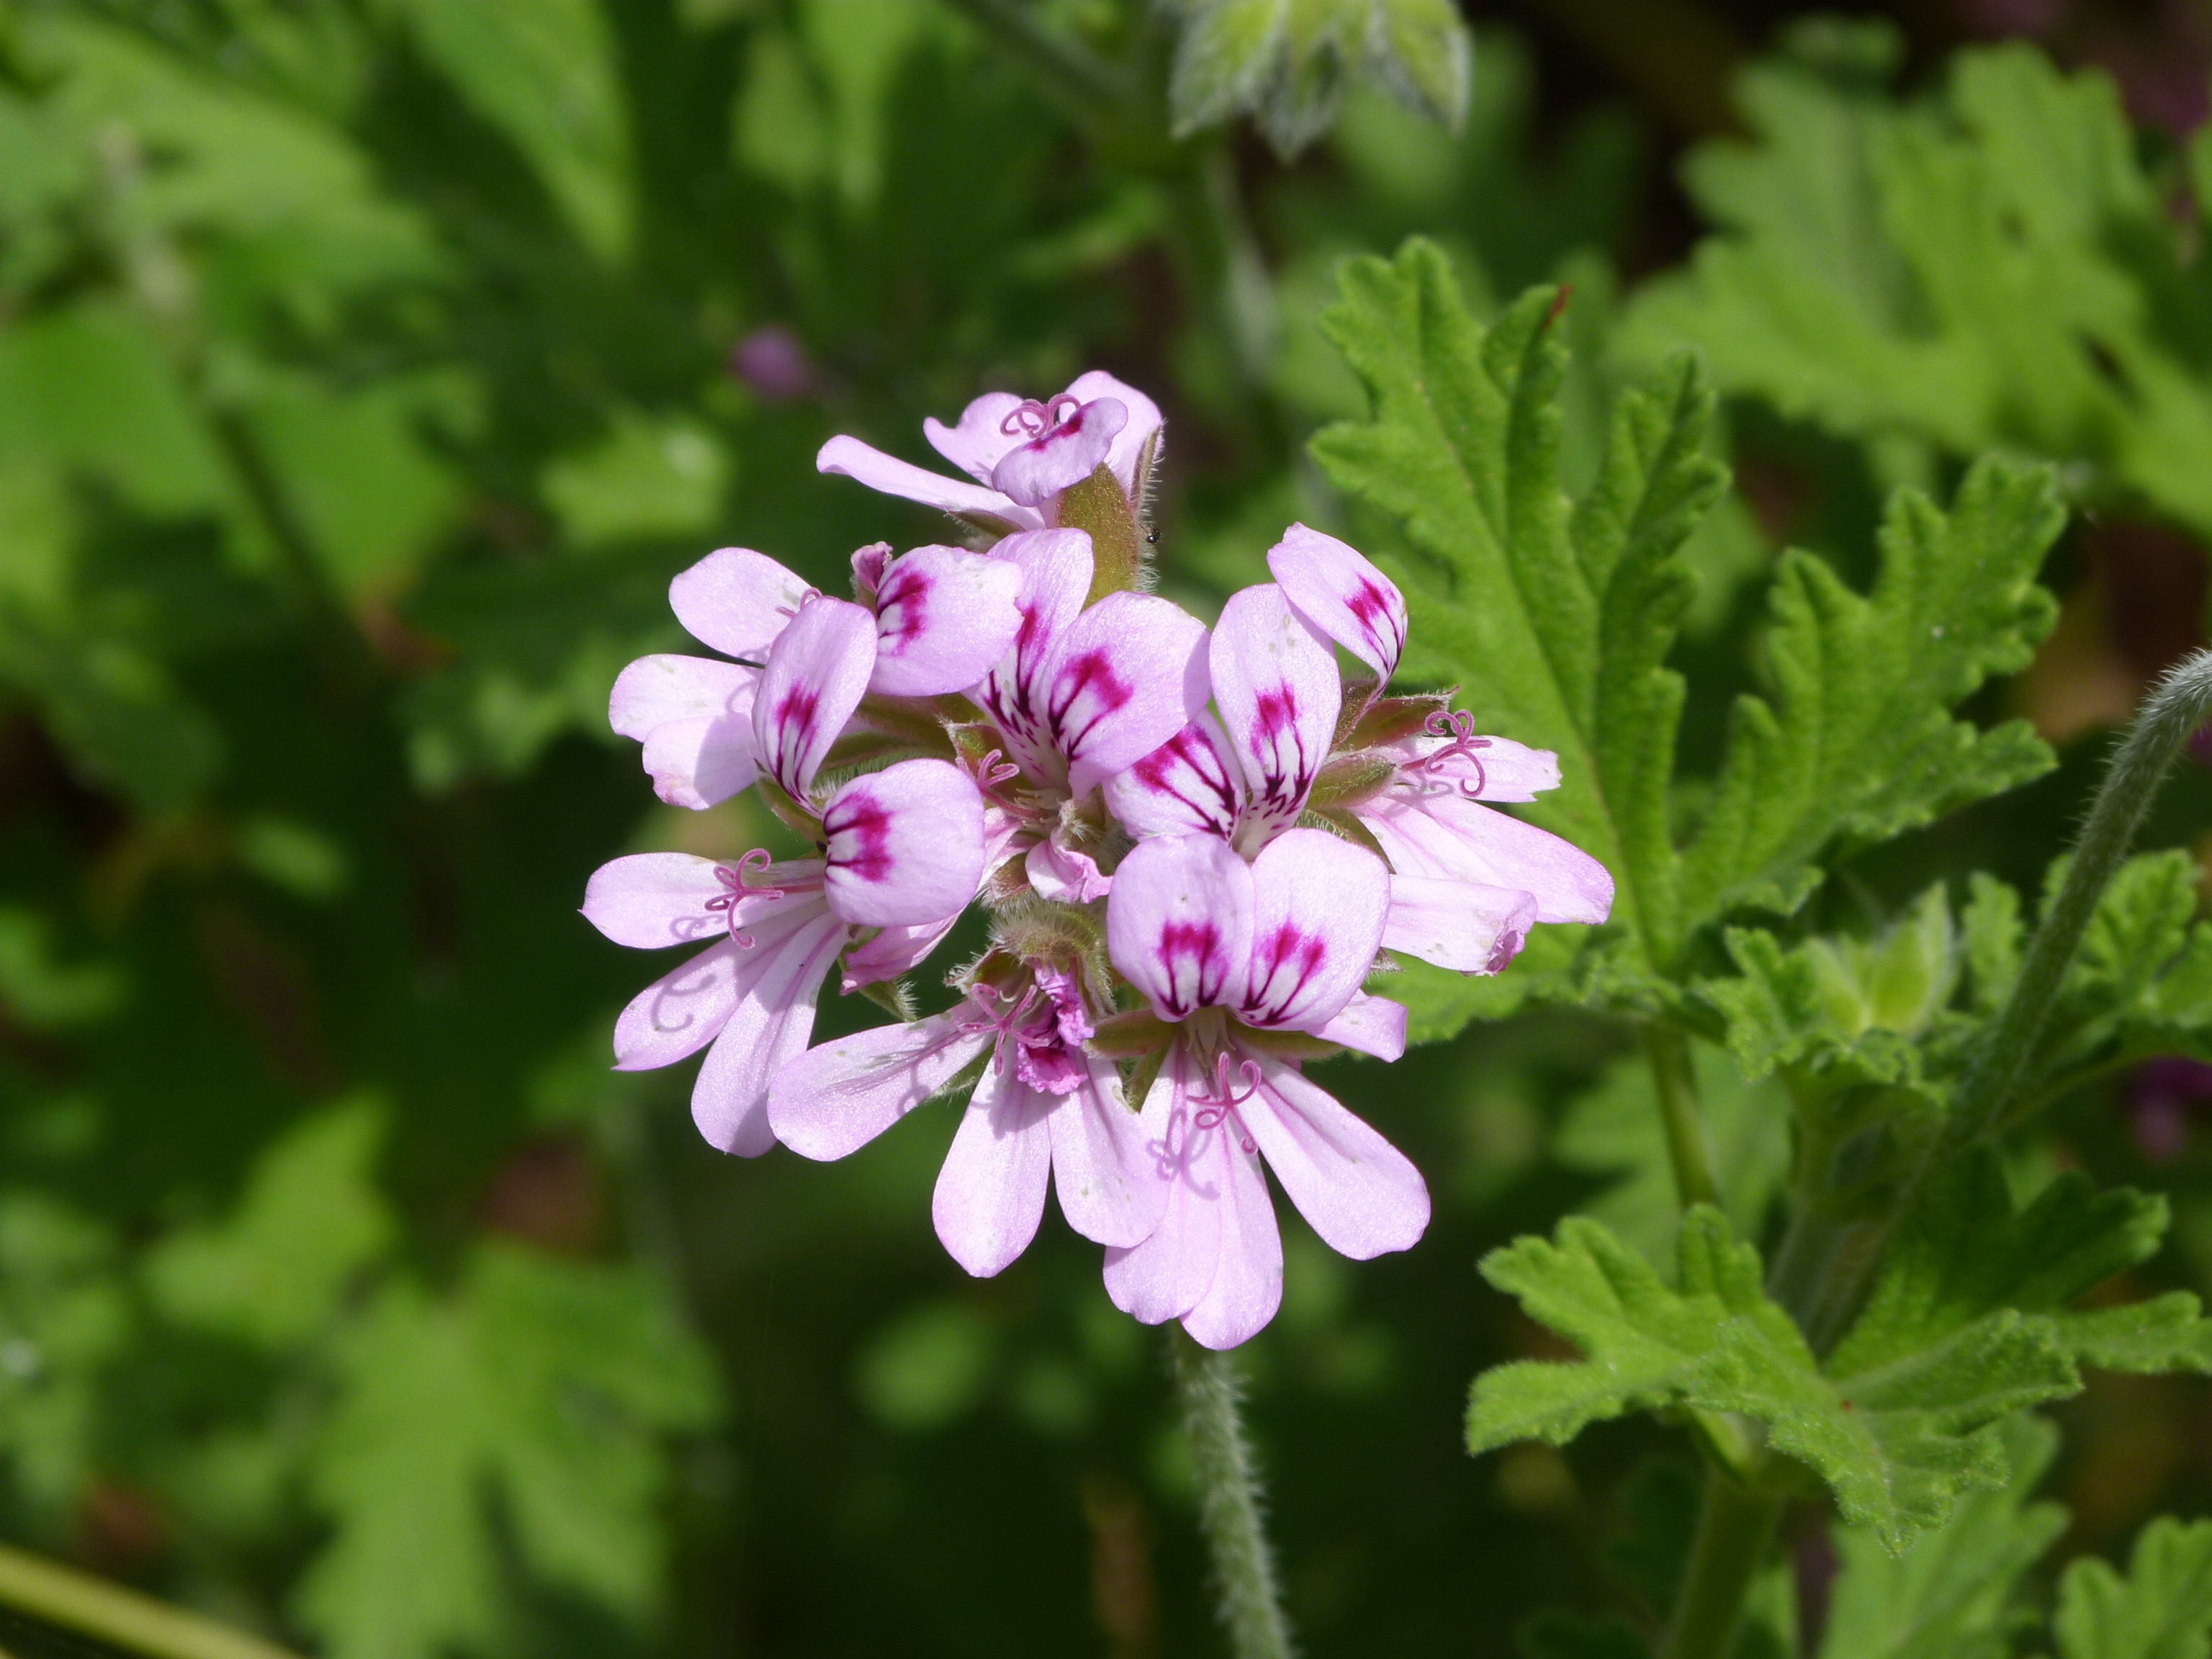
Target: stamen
{"x":734,"y":878}
{"x":993,"y":770}
{"x":1458,"y":724}
{"x":1214,"y":1110}
{"x":1033,"y":420}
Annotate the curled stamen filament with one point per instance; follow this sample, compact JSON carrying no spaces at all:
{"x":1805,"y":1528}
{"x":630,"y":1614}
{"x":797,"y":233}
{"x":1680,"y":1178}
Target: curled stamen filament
{"x":1034,"y":419}
{"x":1014,"y":1003}
{"x":1214,"y":1110}
{"x":739,"y":888}
{"x":993,"y":770}
{"x":1458,"y":724}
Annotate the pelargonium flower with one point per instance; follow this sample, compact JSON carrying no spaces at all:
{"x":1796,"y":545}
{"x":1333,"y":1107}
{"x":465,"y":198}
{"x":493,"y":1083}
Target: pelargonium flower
{"x":1242,"y":963}
{"x":1024,"y":454}
{"x":1083,"y":692}
{"x":943,"y":616}
{"x":1404,"y":774}
{"x":902,"y":847}
{"x":1044,"y":1110}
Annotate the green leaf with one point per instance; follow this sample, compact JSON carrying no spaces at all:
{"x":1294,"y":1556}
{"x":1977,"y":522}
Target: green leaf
{"x":1897,"y":1446}
{"x":65,"y":1317}
{"x":1968,"y":1252}
{"x":1288,"y":62}
{"x":2161,"y":1610}
{"x":545,"y":73}
{"x":41,"y":994}
{"x":1857,"y":742}
{"x":310,"y":1220}
{"x":1555,"y":1634}
{"x":1988,"y":268}
{"x":1954,"y":1594}
{"x":1557,"y":625}
{"x":544,"y":1382}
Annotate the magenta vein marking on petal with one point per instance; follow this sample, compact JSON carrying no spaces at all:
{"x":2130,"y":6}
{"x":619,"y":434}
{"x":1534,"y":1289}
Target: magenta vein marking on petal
{"x":1276,"y":714}
{"x":794,"y":729}
{"x":1199,"y":943}
{"x":859,"y":817}
{"x":908,"y":595}
{"x":1369,"y":604}
{"x":1196,"y":755}
{"x":1289,"y":949}
{"x":1092,"y":673}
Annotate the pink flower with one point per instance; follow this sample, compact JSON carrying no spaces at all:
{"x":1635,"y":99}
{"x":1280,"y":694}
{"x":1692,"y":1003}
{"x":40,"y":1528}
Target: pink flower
{"x":1043,"y":1109}
{"x":901,"y":849}
{"x":1406,"y":774}
{"x":1247,"y":962}
{"x":1083,"y":693}
{"x":1022,"y":454}
{"x":943,"y":616}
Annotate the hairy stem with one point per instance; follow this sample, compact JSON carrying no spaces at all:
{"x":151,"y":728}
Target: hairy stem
{"x":1735,"y":1525}
{"x":2006,"y":1062}
{"x":2180,"y":703}
{"x":1689,"y":1144}
{"x":1230,"y":1502}
{"x":56,"y":1595}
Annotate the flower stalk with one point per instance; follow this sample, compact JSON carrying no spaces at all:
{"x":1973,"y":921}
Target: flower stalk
{"x":119,"y":1618}
{"x":1230,"y":1502}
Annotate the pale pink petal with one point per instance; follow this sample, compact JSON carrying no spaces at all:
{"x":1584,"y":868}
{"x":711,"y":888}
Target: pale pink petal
{"x":905,"y":845}
{"x":817,"y":673}
{"x":700,"y":764}
{"x":767,"y":1030}
{"x":1276,"y":684}
{"x":1497,"y":769}
{"x":1179,"y":923}
{"x":869,"y":564}
{"x":871,"y":467}
{"x":649,"y":900}
{"x":1166,"y":1275}
{"x":835,"y":1099}
{"x":1460,"y":925}
{"x":1318,"y":907}
{"x":1035,"y":471}
{"x":681,"y":1013}
{"x":1248,"y":1272}
{"x":1111,"y":1186}
{"x":1066,"y":874}
{"x":737,"y":601}
{"x":1442,"y":835}
{"x":1358,"y":1192}
{"x":975,"y":445}
{"x":990,"y":1192}
{"x":1338,"y":589}
{"x":1187,"y":785}
{"x":1129,"y":673}
{"x":945,"y":617}
{"x":893,"y":951}
{"x":1143,"y":427}
{"x":1373,"y":1025}
{"x":1056,"y":571}
{"x":655,"y":690}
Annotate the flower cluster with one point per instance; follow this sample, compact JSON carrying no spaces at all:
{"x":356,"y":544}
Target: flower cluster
{"x":1190,"y":846}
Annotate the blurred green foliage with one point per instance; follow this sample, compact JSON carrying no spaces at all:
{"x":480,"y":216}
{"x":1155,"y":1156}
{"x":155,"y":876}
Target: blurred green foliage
{"x":366,"y":368}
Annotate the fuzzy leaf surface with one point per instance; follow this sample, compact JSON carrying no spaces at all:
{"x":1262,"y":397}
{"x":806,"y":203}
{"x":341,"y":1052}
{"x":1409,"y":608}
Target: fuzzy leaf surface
{"x":1897,"y":1446}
